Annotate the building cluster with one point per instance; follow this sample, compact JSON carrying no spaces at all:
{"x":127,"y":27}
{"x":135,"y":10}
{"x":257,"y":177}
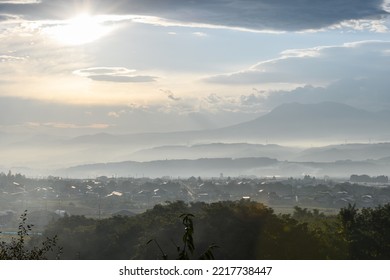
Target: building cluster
{"x":104,"y":196}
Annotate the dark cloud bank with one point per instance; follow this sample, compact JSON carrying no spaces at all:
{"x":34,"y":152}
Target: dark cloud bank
{"x":290,"y":15}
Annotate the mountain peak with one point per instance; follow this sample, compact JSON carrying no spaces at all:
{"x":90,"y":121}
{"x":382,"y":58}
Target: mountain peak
{"x":328,"y":108}
{"x":325,"y":120}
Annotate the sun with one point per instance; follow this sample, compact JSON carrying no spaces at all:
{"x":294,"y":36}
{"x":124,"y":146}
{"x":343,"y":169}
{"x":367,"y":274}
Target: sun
{"x":80,"y":30}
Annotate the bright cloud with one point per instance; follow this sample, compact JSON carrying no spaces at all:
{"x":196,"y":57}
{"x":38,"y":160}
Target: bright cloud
{"x":20,"y":1}
{"x":8,"y":58}
{"x":200,"y":34}
{"x":79,"y":30}
{"x":320,"y":65}
{"x":372,"y":25}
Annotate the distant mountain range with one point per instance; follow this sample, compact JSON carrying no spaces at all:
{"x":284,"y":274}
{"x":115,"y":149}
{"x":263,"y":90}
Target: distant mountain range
{"x":215,"y":150}
{"x":204,"y":167}
{"x":356,"y":152}
{"x":330,"y":153}
{"x":288,"y":125}
{"x":291,"y":122}
{"x":215,"y":167}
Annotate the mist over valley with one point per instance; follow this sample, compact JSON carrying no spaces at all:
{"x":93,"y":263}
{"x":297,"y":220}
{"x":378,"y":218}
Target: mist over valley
{"x":361,"y":136}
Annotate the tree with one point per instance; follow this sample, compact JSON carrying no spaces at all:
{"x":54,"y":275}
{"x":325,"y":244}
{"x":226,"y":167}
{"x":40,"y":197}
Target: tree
{"x":186,"y":251}
{"x":367,"y":231}
{"x":17,"y":249}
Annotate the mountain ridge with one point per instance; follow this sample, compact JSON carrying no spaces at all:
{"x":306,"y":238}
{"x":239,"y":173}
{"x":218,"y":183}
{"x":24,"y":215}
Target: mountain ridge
{"x":327,"y":120}
{"x":295,"y":121}
{"x":217,"y":167}
{"x":288,"y":125}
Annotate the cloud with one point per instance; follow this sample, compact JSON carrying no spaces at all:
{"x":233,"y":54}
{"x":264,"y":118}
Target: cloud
{"x":104,"y":71}
{"x":245,"y":104}
{"x":353,"y":73}
{"x":114,"y":74}
{"x":252,"y":99}
{"x":320,"y":65}
{"x":20,"y":1}
{"x":373,"y":25}
{"x":200,"y":34}
{"x":122,"y":79}
{"x":286,"y":15}
{"x":213,"y":98}
{"x":67,"y":125}
{"x":114,"y":114}
{"x":366,"y":93}
{"x":170,"y":95}
{"x":27,"y":116}
{"x":8,"y":58}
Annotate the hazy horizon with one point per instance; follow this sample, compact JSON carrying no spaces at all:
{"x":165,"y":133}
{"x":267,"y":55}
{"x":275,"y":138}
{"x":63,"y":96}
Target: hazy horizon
{"x":78,"y":77}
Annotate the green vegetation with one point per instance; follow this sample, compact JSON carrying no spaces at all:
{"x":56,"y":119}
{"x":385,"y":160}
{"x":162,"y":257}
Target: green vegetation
{"x":17,"y":249}
{"x":240,"y":229}
{"x":221,"y":230}
{"x":186,"y":251}
{"x":367,"y":232}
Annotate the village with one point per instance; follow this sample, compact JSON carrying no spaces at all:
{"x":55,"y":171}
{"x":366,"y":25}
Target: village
{"x":50,"y":198}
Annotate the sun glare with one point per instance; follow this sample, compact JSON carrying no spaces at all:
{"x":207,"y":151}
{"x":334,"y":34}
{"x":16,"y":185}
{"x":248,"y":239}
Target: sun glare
{"x":80,"y":30}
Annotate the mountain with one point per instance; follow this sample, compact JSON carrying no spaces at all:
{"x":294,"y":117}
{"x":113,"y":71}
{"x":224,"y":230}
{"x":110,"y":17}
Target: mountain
{"x":293,"y":122}
{"x":288,"y":125}
{"x":313,"y":122}
{"x":330,"y":153}
{"x":214,"y":167}
{"x":209,"y":167}
{"x":214,"y":150}
{"x":355,"y":152}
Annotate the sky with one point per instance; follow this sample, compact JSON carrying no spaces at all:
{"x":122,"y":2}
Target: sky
{"x":73,"y":67}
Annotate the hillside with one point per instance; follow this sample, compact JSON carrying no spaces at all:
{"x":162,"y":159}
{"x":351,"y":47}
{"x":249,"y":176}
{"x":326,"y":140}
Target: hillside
{"x":313,"y":122}
{"x":288,"y":125}
{"x":326,"y":121}
{"x":214,"y":167}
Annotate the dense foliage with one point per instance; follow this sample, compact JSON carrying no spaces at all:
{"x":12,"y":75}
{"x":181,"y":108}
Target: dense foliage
{"x":367,"y":232}
{"x":234,"y":230}
{"x":18,"y":249}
